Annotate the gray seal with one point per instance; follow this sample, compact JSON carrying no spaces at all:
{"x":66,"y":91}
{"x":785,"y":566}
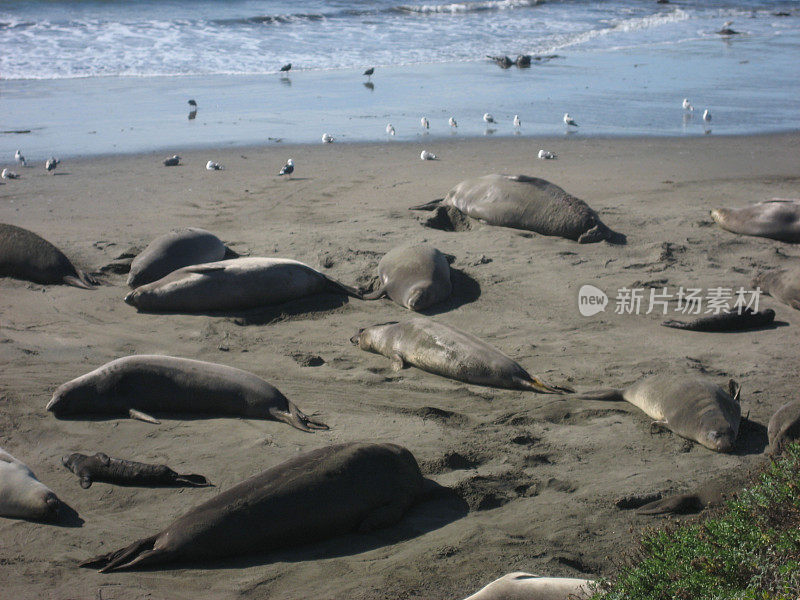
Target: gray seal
{"x":173,"y":250}
{"x":101,"y":467}
{"x":726,"y":321}
{"x":415,"y":276}
{"x":784,"y":426}
{"x":778,"y":219}
{"x":781,"y":284}
{"x":692,"y":407}
{"x":448,"y":352}
{"x":524,"y":202}
{"x":25,"y":255}
{"x":137,"y":385}
{"x":22,"y":496}
{"x":525,"y":586}
{"x":331,"y":491}
{"x":705,"y":496}
{"x":235,"y":284}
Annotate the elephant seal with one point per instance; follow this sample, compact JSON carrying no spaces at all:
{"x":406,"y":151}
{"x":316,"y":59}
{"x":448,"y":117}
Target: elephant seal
{"x":778,"y":219}
{"x":727,"y":321}
{"x":523,"y":202}
{"x":691,"y":407}
{"x":448,"y":352}
{"x":173,"y":250}
{"x":25,"y":255}
{"x":324,"y":493}
{"x":102,"y":467}
{"x":415,"y":276}
{"x":524,"y":586}
{"x":22,"y":496}
{"x":706,"y":496}
{"x":784,"y":426}
{"x":781,"y":284}
{"x":235,"y":284}
{"x":135,"y":385}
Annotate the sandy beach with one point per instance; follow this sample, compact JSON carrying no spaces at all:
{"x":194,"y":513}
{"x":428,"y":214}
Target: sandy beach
{"x":538,"y":475}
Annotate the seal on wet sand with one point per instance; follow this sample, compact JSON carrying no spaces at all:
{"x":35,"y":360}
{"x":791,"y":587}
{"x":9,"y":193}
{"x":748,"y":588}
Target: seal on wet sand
{"x":331,"y":491}
{"x":101,"y":467}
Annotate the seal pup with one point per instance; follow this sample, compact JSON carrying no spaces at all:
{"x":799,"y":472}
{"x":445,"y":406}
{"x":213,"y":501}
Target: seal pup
{"x":140,"y":384}
{"x":234,"y":284}
{"x":449,"y":352}
{"x":726,"y":321}
{"x":102,"y":467}
{"x":523,"y":202}
{"x":25,"y":255}
{"x":415,"y":276}
{"x":171,"y":251}
{"x":778,"y":219}
{"x":331,"y":491}
{"x":22,"y":496}
{"x":692,"y":407}
{"x":784,"y":426}
{"x":711,"y":494}
{"x":172,"y":161}
{"x":781,"y":284}
{"x":524,"y":586}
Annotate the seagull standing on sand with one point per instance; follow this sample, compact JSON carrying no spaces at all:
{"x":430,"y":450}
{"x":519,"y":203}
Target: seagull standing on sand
{"x":20,"y":159}
{"x":707,"y":116}
{"x":288,"y":168}
{"x":6,"y":174}
{"x":425,"y":123}
{"x":286,"y":68}
{"x":453,"y":123}
{"x":369,"y":72}
{"x":687,"y":105}
{"x":517,"y":122}
{"x":569,"y":121}
{"x":51,"y":164}
{"x":545,"y":155}
{"x":214,"y":166}
{"x":390,"y":129}
{"x":425,"y":155}
{"x":488,"y":118}
{"x":327,"y":138}
{"x":172,"y":161}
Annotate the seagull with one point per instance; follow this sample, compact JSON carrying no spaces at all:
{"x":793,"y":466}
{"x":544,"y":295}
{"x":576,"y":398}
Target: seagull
{"x":193,"y":104}
{"x":488,"y":118}
{"x":452,"y":122}
{"x":687,"y":105}
{"x":517,"y":122}
{"x":214,"y":166}
{"x":20,"y":159}
{"x":425,"y":123}
{"x":285,"y":68}
{"x":51,"y":164}
{"x":288,"y":168}
{"x":369,"y":71}
{"x":390,"y":129}
{"x":327,"y":138}
{"x":707,"y":116}
{"x":6,"y":174}
{"x":425,"y":155}
{"x":172,"y":161}
{"x":545,"y":155}
{"x":569,"y":120}
{"x":726,"y":29}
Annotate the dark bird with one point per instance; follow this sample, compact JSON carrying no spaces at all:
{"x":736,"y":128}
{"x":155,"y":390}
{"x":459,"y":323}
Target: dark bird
{"x":523,"y":61}
{"x":193,"y":104}
{"x":369,"y":71}
{"x":285,"y":68}
{"x":501,"y":61}
{"x":172,"y":161}
{"x":288,"y":168}
{"x":726,"y":29}
{"x":51,"y":164}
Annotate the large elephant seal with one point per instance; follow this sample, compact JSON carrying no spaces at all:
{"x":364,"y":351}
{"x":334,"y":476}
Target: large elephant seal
{"x":524,"y":202}
{"x":137,"y":385}
{"x":324,"y":493}
{"x":234,"y":284}
{"x":22,"y":496}
{"x":692,"y":407}
{"x":173,"y":250}
{"x":524,"y":586}
{"x":781,"y":284}
{"x":448,"y":352}
{"x":25,"y":255}
{"x":784,"y":426}
{"x":415,"y":276}
{"x":726,"y":321}
{"x":101,"y":467}
{"x":778,"y":219}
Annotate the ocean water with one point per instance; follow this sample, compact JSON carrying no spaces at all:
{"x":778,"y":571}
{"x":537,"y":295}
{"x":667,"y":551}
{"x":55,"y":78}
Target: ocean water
{"x":98,"y":76}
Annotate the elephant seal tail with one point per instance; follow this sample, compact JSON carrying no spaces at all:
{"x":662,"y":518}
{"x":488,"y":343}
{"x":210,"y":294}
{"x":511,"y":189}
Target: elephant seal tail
{"x":338,"y":286}
{"x":537,"y":385}
{"x":192,"y":480}
{"x":428,"y":205}
{"x":138,"y":554}
{"x":298,"y":419}
{"x":81,"y":280}
{"x":375,"y":294}
{"x":612,"y":394}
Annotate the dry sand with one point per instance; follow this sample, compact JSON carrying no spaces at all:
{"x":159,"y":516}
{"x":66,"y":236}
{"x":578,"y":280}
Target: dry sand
{"x":539,"y":473}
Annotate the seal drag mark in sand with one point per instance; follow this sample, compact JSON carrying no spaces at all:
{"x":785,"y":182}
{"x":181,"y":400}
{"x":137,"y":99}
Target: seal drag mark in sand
{"x":524,"y":586}
{"x":727,"y":321}
{"x":784,"y":426}
{"x":321,"y":494}
{"x":171,"y":251}
{"x":527,"y":203}
{"x":692,"y":407}
{"x":138,"y":385}
{"x":25,"y":255}
{"x":234,"y":284}
{"x":415,"y":276}
{"x":22,"y":496}
{"x":781,"y":284}
{"x":448,"y":352}
{"x":101,"y":467}
{"x":778,"y":219}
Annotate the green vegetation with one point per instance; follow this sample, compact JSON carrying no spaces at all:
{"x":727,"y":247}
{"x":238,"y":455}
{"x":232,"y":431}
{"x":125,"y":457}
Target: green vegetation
{"x":748,"y":550}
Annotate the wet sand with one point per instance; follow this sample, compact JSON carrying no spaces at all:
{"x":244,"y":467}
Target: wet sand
{"x":538,"y":474}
